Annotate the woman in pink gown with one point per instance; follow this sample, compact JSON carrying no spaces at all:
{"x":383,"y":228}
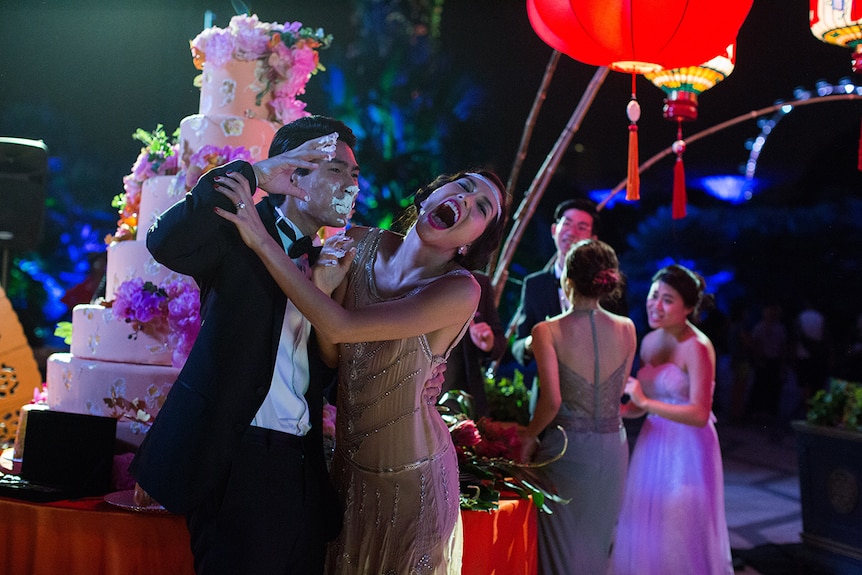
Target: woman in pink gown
{"x":398,"y":305}
{"x":673,"y":519}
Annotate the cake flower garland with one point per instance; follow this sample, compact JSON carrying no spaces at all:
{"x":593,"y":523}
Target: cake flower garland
{"x":169,"y":312}
{"x":158,"y":157}
{"x":288,"y":53}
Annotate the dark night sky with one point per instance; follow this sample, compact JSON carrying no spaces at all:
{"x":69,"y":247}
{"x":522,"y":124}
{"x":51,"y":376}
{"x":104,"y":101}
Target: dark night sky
{"x":92,"y":72}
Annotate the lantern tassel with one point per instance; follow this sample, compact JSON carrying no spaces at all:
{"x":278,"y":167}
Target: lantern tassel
{"x":679,"y":193}
{"x":633,"y":179}
{"x":860,"y":150}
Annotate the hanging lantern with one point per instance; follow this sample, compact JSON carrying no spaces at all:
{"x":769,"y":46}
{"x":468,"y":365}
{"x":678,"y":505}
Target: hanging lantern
{"x":682,"y":87}
{"x":839,"y":22}
{"x":636,"y":37}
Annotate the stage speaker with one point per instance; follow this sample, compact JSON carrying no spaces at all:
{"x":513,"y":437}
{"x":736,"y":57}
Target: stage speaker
{"x":23,"y":178}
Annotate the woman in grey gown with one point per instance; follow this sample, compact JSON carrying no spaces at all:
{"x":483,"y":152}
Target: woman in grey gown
{"x":584,"y":357}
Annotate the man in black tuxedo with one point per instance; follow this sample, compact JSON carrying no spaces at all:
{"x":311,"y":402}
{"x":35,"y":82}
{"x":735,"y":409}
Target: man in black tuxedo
{"x":237,"y":446}
{"x":541,"y":294}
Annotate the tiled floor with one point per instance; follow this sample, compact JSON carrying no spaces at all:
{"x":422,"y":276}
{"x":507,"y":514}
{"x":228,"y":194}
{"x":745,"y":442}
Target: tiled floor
{"x":761,"y":487}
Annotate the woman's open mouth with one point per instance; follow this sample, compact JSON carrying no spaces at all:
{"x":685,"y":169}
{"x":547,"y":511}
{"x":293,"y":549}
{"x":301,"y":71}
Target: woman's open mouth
{"x":445,"y":215}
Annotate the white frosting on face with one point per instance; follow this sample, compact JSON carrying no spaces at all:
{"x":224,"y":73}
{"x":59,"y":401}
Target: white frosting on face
{"x":327,"y":145}
{"x":344,"y":204}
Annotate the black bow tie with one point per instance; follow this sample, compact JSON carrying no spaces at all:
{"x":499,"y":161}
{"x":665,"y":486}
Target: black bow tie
{"x":303,"y":245}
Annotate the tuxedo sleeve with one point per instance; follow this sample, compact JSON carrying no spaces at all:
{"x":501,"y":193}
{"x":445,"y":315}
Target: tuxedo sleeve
{"x":190,"y":237}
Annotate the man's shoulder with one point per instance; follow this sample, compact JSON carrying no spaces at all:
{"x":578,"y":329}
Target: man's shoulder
{"x":540,"y":277}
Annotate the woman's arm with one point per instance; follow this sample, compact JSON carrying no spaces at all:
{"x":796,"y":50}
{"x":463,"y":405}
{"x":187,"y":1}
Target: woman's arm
{"x":446,"y":303}
{"x":550,"y":398}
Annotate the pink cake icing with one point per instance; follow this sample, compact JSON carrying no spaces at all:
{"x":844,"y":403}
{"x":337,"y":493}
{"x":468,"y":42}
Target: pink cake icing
{"x":131,"y":259}
{"x":130,"y":392}
{"x":98,"y":334}
{"x":158,"y":194}
{"x":198,"y":131}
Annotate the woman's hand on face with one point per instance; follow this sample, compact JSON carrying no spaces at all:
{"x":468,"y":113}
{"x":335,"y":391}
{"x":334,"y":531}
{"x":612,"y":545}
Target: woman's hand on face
{"x":333,"y":263}
{"x":635,"y":393}
{"x":274,"y":174}
{"x":235,"y":187}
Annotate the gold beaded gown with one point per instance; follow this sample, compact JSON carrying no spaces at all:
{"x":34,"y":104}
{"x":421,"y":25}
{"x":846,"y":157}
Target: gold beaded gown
{"x":395,"y":466}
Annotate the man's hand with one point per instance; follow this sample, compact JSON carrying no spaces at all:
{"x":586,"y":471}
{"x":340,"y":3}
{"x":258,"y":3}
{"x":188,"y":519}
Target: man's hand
{"x":482,"y":336}
{"x":333,"y":263}
{"x":273,"y":174}
{"x":434,"y":385}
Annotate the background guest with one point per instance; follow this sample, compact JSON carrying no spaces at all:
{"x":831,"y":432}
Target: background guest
{"x":672,"y":519}
{"x":485,"y":342}
{"x":584,"y":356}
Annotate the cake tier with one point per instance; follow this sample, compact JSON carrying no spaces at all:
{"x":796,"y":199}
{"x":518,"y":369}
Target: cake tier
{"x":238,"y":88}
{"x":98,"y":334}
{"x":131,"y":259}
{"x":197,"y":131}
{"x":129,"y":392}
{"x":158,"y":194}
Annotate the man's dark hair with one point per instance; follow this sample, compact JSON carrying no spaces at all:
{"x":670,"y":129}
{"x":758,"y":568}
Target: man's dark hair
{"x":300,"y":131}
{"x":582,"y":204}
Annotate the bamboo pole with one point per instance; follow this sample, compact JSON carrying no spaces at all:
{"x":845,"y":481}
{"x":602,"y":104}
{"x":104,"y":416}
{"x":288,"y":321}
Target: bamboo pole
{"x":534,"y":194}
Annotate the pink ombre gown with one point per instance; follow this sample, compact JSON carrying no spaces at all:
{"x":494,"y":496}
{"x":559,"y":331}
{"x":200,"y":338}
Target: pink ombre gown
{"x":672,"y":520}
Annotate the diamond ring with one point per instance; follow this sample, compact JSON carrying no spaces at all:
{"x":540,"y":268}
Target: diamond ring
{"x":240,"y":205}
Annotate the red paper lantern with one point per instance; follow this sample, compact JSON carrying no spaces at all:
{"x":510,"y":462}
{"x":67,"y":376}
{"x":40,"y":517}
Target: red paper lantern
{"x":638,"y":36}
{"x":683,"y":86}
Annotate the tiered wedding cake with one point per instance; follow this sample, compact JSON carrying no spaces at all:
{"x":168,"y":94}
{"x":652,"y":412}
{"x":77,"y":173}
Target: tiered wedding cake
{"x":127,"y":351}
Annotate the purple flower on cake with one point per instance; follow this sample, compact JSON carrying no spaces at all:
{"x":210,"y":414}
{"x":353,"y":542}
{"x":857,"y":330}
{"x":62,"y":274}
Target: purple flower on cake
{"x":210,"y":157}
{"x":170,"y":313}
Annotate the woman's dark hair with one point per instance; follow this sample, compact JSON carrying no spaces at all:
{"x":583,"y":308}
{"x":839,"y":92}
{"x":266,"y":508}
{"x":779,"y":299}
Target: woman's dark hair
{"x":690,"y":285}
{"x":593,"y":268}
{"x":479,"y":253}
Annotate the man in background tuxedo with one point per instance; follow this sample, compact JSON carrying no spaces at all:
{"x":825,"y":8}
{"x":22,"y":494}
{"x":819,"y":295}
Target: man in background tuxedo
{"x":541,"y":294}
{"x":237,"y":446}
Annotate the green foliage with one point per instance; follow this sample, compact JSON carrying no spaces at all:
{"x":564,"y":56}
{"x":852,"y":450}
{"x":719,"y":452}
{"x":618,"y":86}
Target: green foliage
{"x":64,"y":331}
{"x":508,"y":399}
{"x":838,"y":406}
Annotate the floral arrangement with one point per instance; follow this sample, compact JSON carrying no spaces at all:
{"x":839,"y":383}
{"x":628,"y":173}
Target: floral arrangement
{"x":289,"y":54}
{"x":170,"y":312}
{"x":208,"y":157}
{"x":838,"y":406}
{"x":488,"y":453}
{"x":158,"y":157}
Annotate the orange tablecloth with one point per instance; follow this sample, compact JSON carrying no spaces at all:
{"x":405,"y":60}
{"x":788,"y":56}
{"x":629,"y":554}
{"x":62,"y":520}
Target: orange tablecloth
{"x":90,"y":536}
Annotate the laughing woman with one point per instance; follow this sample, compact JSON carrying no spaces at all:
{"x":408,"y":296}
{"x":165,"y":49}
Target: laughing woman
{"x":398,"y":305}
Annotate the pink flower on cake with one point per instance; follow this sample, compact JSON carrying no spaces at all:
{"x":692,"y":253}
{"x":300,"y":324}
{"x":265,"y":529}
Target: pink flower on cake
{"x":329,"y":413}
{"x":287,"y":54}
{"x":210,"y":157}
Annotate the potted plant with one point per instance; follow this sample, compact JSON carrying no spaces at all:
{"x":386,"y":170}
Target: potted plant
{"x":829,"y":444}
